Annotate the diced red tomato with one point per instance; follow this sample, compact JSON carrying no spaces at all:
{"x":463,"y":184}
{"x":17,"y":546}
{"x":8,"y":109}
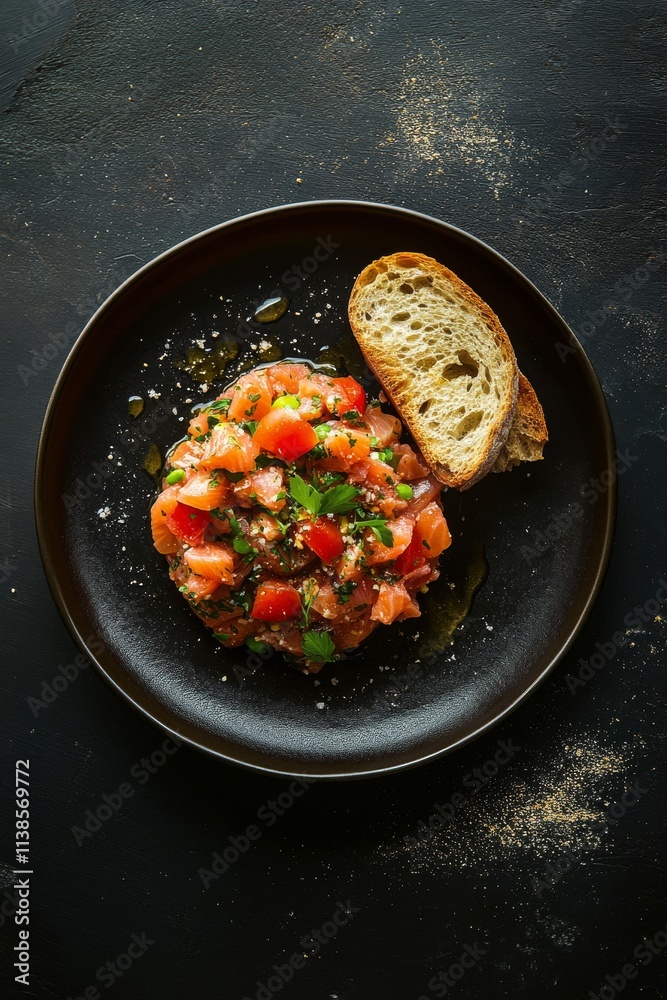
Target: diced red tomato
{"x":251,"y":398}
{"x":351,"y":394}
{"x":212,"y":560}
{"x":394,"y":601}
{"x":204,"y":491}
{"x":383,"y":426}
{"x":276,"y":601}
{"x":324,"y":537}
{"x":229,"y":447}
{"x":285,"y":379}
{"x":164,"y":540}
{"x":284,"y":433}
{"x":401,"y":531}
{"x":188,"y":523}
{"x":411,"y":558}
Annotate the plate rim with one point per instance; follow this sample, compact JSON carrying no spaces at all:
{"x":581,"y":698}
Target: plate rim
{"x":47,"y":426}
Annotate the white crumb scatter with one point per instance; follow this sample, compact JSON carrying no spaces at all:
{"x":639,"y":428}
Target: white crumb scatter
{"x":203,"y":387}
{"x":264,"y":345}
{"x":123,"y":548}
{"x":145,"y":365}
{"x":215,"y":333}
{"x":318,"y":315}
{"x":110,"y":457}
{"x":104,"y":512}
{"x":174,"y":411}
{"x":319,"y":704}
{"x":189,"y":399}
{"x":489,"y":628}
{"x":334,"y":681}
{"x":224,"y":677}
{"x":153,"y":394}
{"x":178,"y":385}
{"x":200,"y":344}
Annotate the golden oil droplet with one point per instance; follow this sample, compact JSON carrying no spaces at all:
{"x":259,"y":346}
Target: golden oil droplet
{"x":271,"y":309}
{"x":135,"y":406}
{"x":152,"y":463}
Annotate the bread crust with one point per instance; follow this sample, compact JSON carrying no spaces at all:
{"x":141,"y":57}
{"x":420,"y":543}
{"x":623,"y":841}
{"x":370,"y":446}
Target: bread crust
{"x":390,"y":379}
{"x":528,"y":433}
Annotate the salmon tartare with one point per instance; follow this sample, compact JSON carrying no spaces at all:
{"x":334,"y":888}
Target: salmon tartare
{"x":292,"y":516}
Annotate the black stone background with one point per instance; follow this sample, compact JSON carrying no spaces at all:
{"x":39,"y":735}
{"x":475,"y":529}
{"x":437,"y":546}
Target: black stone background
{"x":127,"y":126}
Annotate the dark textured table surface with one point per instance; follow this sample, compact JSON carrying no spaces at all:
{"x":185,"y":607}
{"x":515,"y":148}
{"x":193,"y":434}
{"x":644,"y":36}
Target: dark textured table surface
{"x":538,"y":127}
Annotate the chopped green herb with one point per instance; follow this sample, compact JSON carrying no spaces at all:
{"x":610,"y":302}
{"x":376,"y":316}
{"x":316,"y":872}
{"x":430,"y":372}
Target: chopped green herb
{"x":322,"y":430}
{"x":221,"y":405}
{"x":212,"y":421}
{"x":318,"y":647}
{"x":383,"y":534}
{"x":257,"y":646}
{"x":243,"y":546}
{"x":335,"y":500}
{"x":250,"y":426}
{"x":222,"y":635}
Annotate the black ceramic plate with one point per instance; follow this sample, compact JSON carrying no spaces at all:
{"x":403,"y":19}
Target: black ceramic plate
{"x":544,"y":530}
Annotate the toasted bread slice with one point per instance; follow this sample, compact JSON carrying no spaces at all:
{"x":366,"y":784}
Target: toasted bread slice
{"x":442,"y":356}
{"x":528,"y":433}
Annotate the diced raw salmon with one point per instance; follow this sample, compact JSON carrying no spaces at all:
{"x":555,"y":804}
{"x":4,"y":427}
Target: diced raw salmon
{"x":214,"y":561}
{"x":425,"y":490}
{"x":186,"y":455}
{"x":165,"y":542}
{"x":199,"y":425}
{"x":433,"y":531}
{"x":285,"y":379}
{"x":251,"y":398}
{"x":204,"y":491}
{"x":348,"y":632}
{"x":348,"y":567}
{"x":198,"y":588}
{"x":235,"y":631}
{"x":264,"y":526}
{"x":263,"y":487}
{"x":401,"y":530}
{"x":311,"y":404}
{"x":393,"y":602}
{"x":383,"y":426}
{"x":229,"y":447}
{"x":374,"y":471}
{"x":346,"y":444}
{"x":410,"y":465}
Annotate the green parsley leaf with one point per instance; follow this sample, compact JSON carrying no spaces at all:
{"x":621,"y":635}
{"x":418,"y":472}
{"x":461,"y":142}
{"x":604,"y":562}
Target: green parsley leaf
{"x":317,"y":646}
{"x":305,"y":495}
{"x":383,"y":534}
{"x":339,"y":499}
{"x":233,"y":476}
{"x":250,"y":426}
